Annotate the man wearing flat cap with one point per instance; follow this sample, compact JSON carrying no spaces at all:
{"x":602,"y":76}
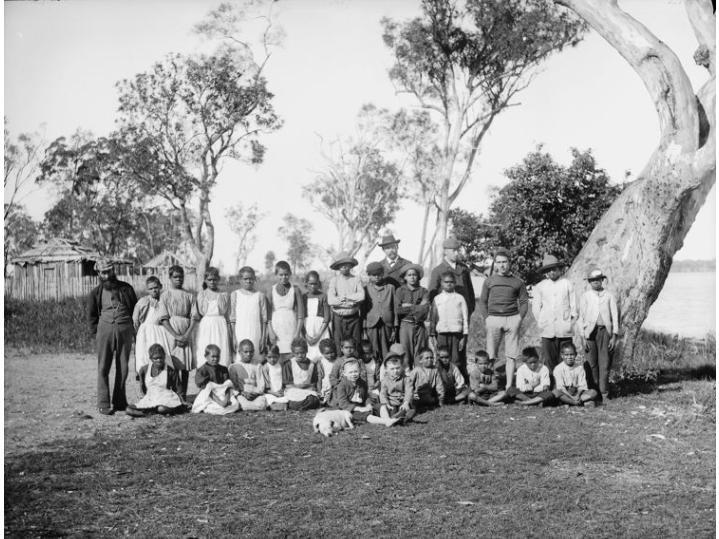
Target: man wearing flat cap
{"x":109,"y":309}
{"x":554,"y":306}
{"x":393,"y":264}
{"x":463,"y":286}
{"x":503,"y":304}
{"x":345,"y":295}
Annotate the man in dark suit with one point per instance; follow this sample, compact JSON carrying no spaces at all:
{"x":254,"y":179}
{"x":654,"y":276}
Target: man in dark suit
{"x":393,"y":263}
{"x":109,"y":310}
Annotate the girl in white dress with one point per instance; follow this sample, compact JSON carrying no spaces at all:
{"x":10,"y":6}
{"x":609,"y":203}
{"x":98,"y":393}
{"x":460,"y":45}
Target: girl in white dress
{"x":248,"y":313}
{"x":148,"y":327}
{"x":211,"y":310}
{"x":274,"y":385}
{"x":318,"y":315}
{"x":160,"y":385}
{"x":287,"y":311}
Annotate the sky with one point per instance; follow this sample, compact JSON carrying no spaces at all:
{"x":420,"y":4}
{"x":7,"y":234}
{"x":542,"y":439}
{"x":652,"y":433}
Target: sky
{"x":62,"y":60}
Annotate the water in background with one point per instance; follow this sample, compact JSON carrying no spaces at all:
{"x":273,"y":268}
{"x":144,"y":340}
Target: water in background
{"x":686,"y":305}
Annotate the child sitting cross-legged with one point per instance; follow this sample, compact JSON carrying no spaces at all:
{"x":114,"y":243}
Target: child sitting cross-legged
{"x":571,"y":380}
{"x":483,"y":382}
{"x":455,"y":387}
{"x":301,"y":379}
{"x":351,"y":394}
{"x":161,"y":386}
{"x":274,"y":383}
{"x":216,"y":391}
{"x":247,"y":379}
{"x":532,"y":381}
{"x":428,"y":387}
{"x":395,"y":394}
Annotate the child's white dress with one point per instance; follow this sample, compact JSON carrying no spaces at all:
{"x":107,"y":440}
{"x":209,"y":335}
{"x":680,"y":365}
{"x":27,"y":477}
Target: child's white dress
{"x":157,"y":392}
{"x":150,"y":332}
{"x":273,"y":382}
{"x":300,"y":377}
{"x":248,"y":318}
{"x":205,"y":403}
{"x":313,"y":324}
{"x":212,"y":308}
{"x":327,"y":367}
{"x":284,"y":318}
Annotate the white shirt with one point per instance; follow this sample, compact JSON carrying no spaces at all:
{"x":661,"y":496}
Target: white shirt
{"x":592,"y":305}
{"x":574,"y":376}
{"x":554,"y":305}
{"x":528,"y":380}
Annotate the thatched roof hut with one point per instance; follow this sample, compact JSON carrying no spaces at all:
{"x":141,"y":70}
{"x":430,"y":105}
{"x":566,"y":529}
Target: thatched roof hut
{"x":160,"y":264}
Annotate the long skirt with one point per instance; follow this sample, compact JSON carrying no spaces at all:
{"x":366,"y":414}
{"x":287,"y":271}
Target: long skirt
{"x":185,"y":355}
{"x":213,"y":330}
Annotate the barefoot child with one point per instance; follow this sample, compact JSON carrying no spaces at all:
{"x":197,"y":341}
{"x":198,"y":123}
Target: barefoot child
{"x":325,"y":366}
{"x":248,"y":313}
{"x":532,"y":381}
{"x":455,"y":388}
{"x":317,"y":315}
{"x":274,"y":386}
{"x":301,"y":379}
{"x":287,"y":311}
{"x":395,"y":395}
{"x":212,"y":311}
{"x":248,"y":380}
{"x":380,"y":320}
{"x":449,"y":320}
{"x":148,"y":327}
{"x":160,"y":386}
{"x":483,"y":382}
{"x":216,"y":390}
{"x":571,"y":380}
{"x":351,"y":395}
{"x":345,"y":295}
{"x":428,"y":388}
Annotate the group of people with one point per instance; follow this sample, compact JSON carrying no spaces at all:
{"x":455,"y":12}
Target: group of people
{"x":366,"y":348}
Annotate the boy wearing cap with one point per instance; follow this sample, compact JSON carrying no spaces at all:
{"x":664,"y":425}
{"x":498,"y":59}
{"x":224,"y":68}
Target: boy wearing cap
{"x":380,"y":320}
{"x":554,"y":305}
{"x":109,"y":309}
{"x":503,"y":304}
{"x":599,"y":327}
{"x":412,"y":308}
{"x":345,"y":295}
{"x":393,"y":265}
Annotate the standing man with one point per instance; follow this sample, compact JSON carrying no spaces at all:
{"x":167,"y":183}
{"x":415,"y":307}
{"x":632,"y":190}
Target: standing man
{"x":554,"y":306}
{"x":463,"y":286}
{"x":393,"y":263}
{"x":109,"y":309}
{"x":503,"y":304}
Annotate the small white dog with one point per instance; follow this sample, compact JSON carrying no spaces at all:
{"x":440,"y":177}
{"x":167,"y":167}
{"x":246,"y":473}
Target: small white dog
{"x":328,"y":422}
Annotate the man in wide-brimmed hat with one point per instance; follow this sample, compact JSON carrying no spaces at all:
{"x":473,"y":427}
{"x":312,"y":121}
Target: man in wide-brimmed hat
{"x":393,"y":264}
{"x":109,"y":310}
{"x":554,"y":305}
{"x":503,"y":304}
{"x":345,"y":294}
{"x":463,"y":286}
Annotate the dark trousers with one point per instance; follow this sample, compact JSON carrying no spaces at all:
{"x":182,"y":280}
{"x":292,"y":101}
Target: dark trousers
{"x":599,"y":359}
{"x":114,"y":342}
{"x":551,"y":351}
{"x":413,"y":337}
{"x":344,"y":327}
{"x":310,"y":402}
{"x":459,"y":357}
{"x":379,"y":337}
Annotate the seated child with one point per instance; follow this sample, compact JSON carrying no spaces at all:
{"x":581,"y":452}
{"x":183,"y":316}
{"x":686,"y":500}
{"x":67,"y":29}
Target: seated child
{"x":216,"y":391}
{"x":351,"y":394}
{"x":371,"y":365}
{"x":325,"y":365}
{"x":348,"y":348}
{"x":428,"y":388}
{"x":273,"y":384}
{"x":483,"y":382}
{"x":532,"y":380}
{"x":247,"y":379}
{"x":395,"y":395}
{"x":571,"y":380}
{"x":396,"y":350}
{"x":455,"y":388}
{"x":161,"y":386}
{"x":301,"y":379}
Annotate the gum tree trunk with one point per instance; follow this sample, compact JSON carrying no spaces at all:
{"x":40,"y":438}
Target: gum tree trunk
{"x":635,"y":240}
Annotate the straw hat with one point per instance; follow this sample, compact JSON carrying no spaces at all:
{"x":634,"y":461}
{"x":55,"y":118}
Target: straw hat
{"x":550,"y":262}
{"x":594,"y":273}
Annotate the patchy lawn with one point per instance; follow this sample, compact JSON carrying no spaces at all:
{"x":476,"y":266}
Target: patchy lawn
{"x":642,"y":466}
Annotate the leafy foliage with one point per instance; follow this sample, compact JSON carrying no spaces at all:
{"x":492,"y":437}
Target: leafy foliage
{"x":297,"y":232}
{"x":269,"y":262}
{"x":243,"y":221}
{"x":21,"y":232}
{"x":545,"y":208}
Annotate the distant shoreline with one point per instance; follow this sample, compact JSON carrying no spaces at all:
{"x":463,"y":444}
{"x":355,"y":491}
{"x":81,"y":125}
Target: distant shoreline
{"x":693,"y":266}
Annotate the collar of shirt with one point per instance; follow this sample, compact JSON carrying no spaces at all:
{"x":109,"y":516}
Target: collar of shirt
{"x":392,"y":262}
{"x":450,"y":264}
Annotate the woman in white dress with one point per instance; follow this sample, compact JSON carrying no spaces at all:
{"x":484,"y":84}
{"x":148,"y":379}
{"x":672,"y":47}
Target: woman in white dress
{"x":212,"y":310}
{"x":248,"y":313}
{"x":287,"y":312}
{"x":148,"y":327}
{"x":318,"y":315}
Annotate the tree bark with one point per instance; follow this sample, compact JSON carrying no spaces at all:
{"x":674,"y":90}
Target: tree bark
{"x":635,"y":240}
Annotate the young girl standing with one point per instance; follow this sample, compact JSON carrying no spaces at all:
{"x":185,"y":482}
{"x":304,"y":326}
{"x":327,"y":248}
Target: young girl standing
{"x":211,"y":310}
{"x":176,"y":305}
{"x":248,"y":313}
{"x":148,"y":327}
{"x":318,"y":315}
{"x":287,"y":311}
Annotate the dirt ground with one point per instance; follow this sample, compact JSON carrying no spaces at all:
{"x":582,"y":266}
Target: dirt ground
{"x":54,"y":396}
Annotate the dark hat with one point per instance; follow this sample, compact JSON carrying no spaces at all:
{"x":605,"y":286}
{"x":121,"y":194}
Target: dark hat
{"x":451,"y":243}
{"x":104,"y":264}
{"x":594,"y":273}
{"x":342,"y":259}
{"x":374,"y":267}
{"x":550,"y":262}
{"x":387,"y":240}
{"x":419,"y":269}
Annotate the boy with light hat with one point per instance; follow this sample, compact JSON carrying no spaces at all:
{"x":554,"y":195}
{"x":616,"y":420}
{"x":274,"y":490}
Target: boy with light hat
{"x":345,"y":295}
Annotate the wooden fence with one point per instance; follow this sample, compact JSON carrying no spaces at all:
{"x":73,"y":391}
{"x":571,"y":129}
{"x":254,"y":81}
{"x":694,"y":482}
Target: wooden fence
{"x":74,"y":287}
